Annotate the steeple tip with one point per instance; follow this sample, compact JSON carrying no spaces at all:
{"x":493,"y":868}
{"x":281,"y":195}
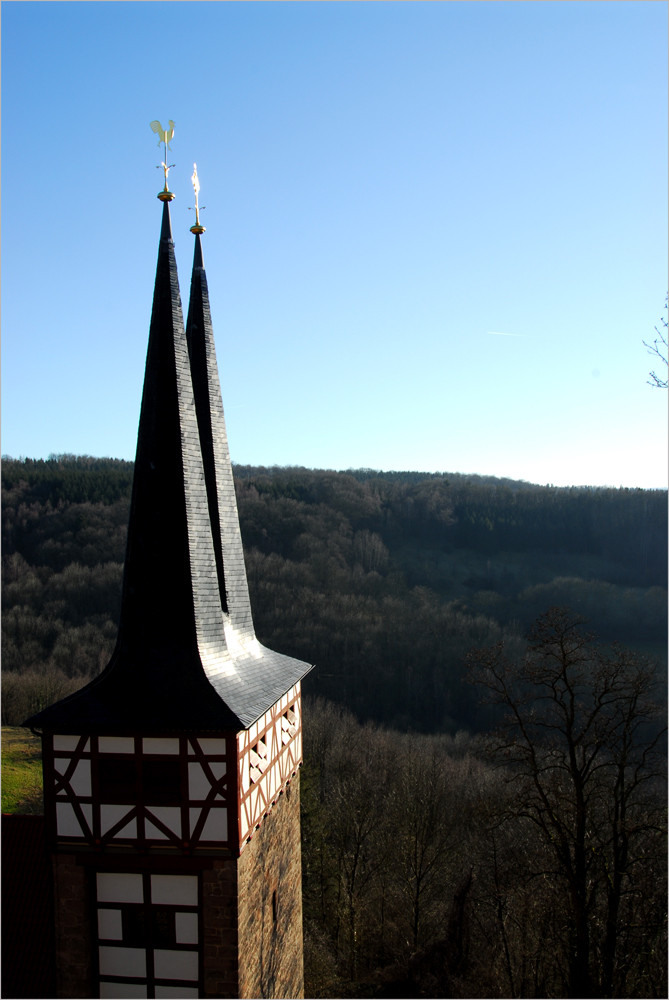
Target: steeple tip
{"x":198,"y":228}
{"x":166,"y":227}
{"x":198,"y":260}
{"x":165,"y":135}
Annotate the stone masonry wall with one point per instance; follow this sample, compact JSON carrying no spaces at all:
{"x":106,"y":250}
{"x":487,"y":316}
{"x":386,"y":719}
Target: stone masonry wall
{"x":219,"y":922}
{"x":73,"y":931}
{"x":270,"y":904}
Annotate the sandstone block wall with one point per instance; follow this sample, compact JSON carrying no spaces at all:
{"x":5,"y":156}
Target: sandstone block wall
{"x":219,"y":924}
{"x":270,"y":904}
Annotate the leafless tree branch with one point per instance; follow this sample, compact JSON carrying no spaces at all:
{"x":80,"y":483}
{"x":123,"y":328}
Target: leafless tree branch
{"x":659,"y":348}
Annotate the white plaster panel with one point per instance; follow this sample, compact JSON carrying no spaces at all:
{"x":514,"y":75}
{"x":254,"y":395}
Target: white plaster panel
{"x":245,"y":780}
{"x":111,"y":815}
{"x":174,"y":889}
{"x":212,"y":748}
{"x":198,"y":782}
{"x":116,"y":744}
{"x":274,"y":782}
{"x":167,"y":745}
{"x":216,"y":825}
{"x":80,"y":782}
{"x":253,"y":802}
{"x":67,"y":743}
{"x":175,"y":964}
{"x":218,"y":768}
{"x":178,"y":992}
{"x":153,"y":833}
{"x":169,"y":816}
{"x":193,"y":815}
{"x":110,"y":925}
{"x":119,"y":887}
{"x":122,"y":961}
{"x":186,"y":928}
{"x":124,"y":990}
{"x":67,"y":824}
{"x":60,"y":767}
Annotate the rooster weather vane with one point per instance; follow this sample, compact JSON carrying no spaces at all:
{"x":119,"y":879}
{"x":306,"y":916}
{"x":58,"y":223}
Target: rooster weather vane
{"x":165,"y":136}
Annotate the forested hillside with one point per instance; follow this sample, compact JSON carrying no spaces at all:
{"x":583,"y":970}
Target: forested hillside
{"x":383,"y":580}
{"x":484,"y":783}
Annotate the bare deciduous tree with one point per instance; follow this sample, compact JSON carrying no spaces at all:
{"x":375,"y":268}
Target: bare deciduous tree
{"x":659,"y":349}
{"x":581,"y":743}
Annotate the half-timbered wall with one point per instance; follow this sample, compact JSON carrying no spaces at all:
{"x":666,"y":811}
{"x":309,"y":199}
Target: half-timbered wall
{"x":171,"y":791}
{"x":269,"y":754}
{"x":142,"y":791}
{"x":231,"y":925}
{"x":148,"y":935}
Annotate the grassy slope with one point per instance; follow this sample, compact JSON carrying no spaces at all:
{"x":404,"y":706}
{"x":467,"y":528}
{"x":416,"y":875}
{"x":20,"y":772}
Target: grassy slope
{"x":21,"y":771}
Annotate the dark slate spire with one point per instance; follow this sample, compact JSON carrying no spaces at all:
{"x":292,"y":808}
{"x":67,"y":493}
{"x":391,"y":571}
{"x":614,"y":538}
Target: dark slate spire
{"x":266,"y":675}
{"x":168,"y":596}
{"x":215,"y":452}
{"x":186,"y":657}
{"x":171,"y":624}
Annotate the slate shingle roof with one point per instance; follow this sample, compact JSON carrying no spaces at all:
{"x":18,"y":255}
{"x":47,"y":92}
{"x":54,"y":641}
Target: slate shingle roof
{"x":215,"y":453}
{"x":186,"y":656}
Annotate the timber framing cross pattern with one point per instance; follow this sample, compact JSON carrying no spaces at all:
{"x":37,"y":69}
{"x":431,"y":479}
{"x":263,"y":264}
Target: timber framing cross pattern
{"x":181,"y":790}
{"x":260,"y":781}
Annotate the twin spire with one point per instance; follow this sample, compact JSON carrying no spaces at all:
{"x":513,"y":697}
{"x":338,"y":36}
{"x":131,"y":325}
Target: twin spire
{"x":186,"y":656}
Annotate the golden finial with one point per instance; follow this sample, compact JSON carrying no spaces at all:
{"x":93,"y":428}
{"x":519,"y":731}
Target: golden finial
{"x":165,"y":136}
{"x":197,"y":228}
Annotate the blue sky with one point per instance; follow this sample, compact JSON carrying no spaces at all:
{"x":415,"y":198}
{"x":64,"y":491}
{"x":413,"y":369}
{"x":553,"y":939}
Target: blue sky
{"x":436,"y":232}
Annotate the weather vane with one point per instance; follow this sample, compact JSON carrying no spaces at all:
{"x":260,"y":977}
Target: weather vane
{"x":165,"y":136}
{"x":197,"y":228}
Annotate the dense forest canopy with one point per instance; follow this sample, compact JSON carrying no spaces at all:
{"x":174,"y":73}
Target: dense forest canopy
{"x":484,"y":787}
{"x":384,"y":580}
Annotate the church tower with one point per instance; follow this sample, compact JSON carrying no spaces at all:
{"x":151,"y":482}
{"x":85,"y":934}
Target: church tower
{"x":171,"y":781}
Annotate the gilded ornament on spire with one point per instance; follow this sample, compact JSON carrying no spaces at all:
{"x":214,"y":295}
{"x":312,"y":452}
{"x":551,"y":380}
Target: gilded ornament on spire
{"x":165,"y":136}
{"x":197,"y":228}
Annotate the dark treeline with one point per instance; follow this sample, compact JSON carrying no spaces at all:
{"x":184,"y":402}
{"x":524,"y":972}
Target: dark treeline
{"x":383,"y":580}
{"x":484,"y":787}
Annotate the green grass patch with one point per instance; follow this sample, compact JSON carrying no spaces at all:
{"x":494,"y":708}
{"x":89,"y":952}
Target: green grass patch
{"x":21,"y":771}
